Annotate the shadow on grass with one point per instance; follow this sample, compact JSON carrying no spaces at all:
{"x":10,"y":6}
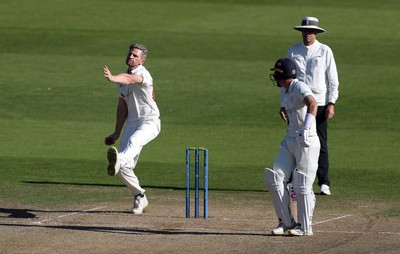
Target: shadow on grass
{"x":144,"y":186}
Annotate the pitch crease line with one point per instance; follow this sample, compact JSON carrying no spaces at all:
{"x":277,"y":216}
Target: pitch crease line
{"x":358,"y":232}
{"x":69,"y":214}
{"x":337,"y":218}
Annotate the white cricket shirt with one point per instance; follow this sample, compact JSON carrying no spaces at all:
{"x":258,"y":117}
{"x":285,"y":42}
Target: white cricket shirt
{"x":140,"y":97}
{"x":296,"y":109}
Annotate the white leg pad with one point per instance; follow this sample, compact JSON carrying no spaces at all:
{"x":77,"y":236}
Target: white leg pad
{"x":305,"y":200}
{"x":279,"y":195}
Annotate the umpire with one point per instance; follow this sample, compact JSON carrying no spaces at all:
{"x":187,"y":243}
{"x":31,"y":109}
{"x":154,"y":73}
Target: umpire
{"x":317,"y":68}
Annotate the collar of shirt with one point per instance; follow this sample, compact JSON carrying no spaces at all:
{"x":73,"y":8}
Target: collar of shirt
{"x":313,"y":46}
{"x":136,"y":69}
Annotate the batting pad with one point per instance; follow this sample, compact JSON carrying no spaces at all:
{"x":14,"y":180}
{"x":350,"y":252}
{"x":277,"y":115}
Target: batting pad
{"x":279,"y":195}
{"x":305,"y":201}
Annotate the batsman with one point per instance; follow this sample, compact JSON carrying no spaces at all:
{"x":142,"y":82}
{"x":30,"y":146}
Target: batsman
{"x":297,"y":156}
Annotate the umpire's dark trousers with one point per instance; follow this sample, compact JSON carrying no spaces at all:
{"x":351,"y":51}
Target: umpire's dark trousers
{"x":323,"y":161}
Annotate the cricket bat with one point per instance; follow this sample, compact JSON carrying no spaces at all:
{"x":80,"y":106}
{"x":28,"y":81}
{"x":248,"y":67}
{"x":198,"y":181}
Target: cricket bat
{"x":293,"y":201}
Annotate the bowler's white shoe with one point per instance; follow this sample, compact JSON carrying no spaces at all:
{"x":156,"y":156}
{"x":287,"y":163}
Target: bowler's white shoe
{"x":324,"y":190}
{"x":139,"y":204}
{"x":281,"y":228}
{"x":113,"y":162}
{"x":298,"y":231}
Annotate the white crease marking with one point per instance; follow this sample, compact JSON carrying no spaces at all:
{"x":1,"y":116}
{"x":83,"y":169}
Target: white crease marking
{"x":68,"y":214}
{"x":337,"y":218}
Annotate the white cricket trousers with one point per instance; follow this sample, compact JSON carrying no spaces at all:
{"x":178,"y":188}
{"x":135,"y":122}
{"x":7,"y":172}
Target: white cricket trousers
{"x":135,"y":136}
{"x":301,"y":163}
{"x":291,"y":156}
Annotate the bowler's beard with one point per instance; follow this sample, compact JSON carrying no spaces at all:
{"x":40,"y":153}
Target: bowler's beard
{"x":130,"y":64}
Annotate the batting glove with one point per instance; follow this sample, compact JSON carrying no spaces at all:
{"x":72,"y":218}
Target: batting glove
{"x":304,"y":138}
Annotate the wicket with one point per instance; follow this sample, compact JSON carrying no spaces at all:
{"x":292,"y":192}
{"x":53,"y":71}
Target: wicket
{"x":205,"y":181}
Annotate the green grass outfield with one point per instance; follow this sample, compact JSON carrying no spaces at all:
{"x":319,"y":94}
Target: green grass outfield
{"x":210,"y":61}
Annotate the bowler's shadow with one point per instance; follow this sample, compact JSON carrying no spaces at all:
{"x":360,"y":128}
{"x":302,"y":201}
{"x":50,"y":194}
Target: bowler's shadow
{"x":17,"y":213}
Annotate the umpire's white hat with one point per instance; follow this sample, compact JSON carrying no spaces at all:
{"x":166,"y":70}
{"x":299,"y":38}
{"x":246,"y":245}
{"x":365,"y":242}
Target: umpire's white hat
{"x":310,"y":23}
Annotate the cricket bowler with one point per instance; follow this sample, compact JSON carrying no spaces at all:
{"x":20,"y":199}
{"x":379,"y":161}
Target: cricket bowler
{"x":138,"y":112}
